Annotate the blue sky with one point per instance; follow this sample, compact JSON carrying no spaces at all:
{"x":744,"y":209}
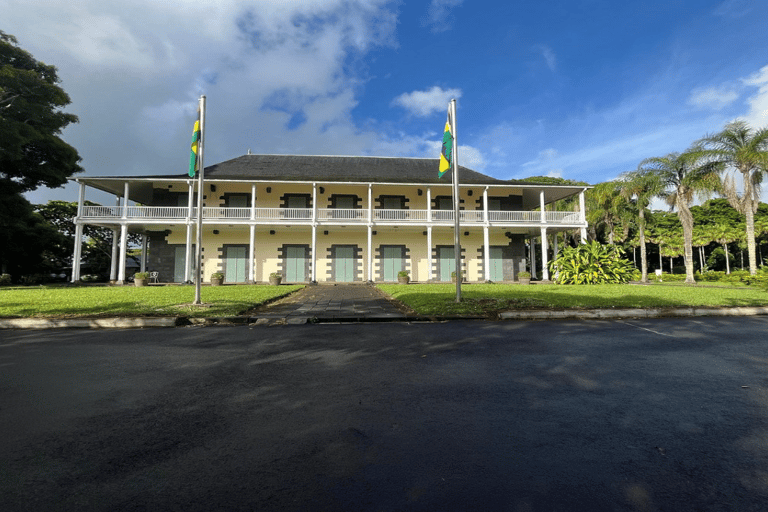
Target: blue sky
{"x":580,"y":90}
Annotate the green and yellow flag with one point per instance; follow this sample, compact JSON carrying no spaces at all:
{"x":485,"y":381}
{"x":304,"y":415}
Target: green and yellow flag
{"x":446,"y":155}
{"x":195,"y":146}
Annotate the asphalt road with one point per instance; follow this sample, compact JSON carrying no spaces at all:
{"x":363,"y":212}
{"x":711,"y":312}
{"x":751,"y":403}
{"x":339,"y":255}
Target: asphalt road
{"x":642,"y":415}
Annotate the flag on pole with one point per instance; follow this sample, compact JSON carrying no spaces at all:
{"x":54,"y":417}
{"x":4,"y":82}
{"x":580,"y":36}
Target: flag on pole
{"x":195,"y":147}
{"x":446,"y":155}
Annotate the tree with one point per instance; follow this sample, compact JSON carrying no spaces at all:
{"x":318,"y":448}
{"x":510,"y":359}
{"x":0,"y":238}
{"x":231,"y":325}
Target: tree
{"x":606,"y":207}
{"x":740,"y":148}
{"x":725,"y":234}
{"x":641,"y":186}
{"x":32,"y":153}
{"x":683,"y":176}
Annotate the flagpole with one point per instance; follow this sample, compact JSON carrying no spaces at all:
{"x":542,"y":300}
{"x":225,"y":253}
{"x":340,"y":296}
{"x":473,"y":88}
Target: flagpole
{"x":201,"y":177}
{"x":456,"y":202}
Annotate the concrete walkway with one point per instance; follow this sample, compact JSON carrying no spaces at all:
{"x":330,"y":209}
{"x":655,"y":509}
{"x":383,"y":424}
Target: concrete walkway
{"x":334,"y":303}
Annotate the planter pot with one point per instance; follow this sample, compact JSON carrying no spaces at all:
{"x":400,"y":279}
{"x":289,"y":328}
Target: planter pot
{"x":403,"y":279}
{"x":275,"y":281}
{"x":524,"y":280}
{"x":216,"y":282}
{"x":140,"y":282}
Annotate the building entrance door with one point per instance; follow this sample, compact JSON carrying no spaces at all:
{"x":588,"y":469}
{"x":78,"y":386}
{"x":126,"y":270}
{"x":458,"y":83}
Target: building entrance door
{"x":496,"y":256}
{"x":446,"y":262}
{"x":295,"y":264}
{"x":392,"y":261}
{"x":235,"y":262}
{"x":344,"y":263}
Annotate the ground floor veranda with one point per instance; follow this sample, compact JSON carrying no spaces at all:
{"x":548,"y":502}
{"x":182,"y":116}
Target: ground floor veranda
{"x":310,"y":254}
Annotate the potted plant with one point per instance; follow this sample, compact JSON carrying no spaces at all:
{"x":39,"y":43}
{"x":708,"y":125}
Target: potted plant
{"x":140,"y":278}
{"x":453,"y":277}
{"x":217,"y":278}
{"x":524,"y":277}
{"x":275,"y":278}
{"x":403,"y":277}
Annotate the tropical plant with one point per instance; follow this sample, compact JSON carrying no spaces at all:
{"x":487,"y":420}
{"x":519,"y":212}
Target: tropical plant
{"x":741,"y":149}
{"x":683,"y":176}
{"x":591,"y":263}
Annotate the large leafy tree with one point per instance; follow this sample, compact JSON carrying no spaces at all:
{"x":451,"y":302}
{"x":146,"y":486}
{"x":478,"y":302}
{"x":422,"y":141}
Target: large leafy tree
{"x":684,"y":176}
{"x":745,"y":150}
{"x":607,"y":208}
{"x":32,"y":153}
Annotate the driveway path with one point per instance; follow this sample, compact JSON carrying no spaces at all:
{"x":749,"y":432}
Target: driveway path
{"x":342,"y":302}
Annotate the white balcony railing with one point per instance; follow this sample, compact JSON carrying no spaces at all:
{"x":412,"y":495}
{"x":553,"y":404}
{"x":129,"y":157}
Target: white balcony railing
{"x":325,"y":215}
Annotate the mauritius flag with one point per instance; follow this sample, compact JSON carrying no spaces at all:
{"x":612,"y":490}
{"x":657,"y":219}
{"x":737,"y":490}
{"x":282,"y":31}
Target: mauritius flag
{"x":446,"y":155}
{"x":195,"y":148}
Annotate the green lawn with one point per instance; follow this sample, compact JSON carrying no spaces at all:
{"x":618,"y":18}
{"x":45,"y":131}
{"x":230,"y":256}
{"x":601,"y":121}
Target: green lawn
{"x":111,"y":301}
{"x":487,"y":299}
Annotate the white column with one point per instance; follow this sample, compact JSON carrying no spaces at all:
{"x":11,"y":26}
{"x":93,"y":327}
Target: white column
{"x":486,"y":253}
{"x":253,"y":202}
{"x":125,"y":201}
{"x":78,"y":249}
{"x":486,"y":238}
{"x":81,"y":199}
{"x":541,"y":207}
{"x":429,"y":204}
{"x":314,"y":252}
{"x":143,"y":263}
{"x":533,"y":258}
{"x":123,"y":252}
{"x":77,"y":253}
{"x":251,"y":254}
{"x":429,"y":234}
{"x":113,"y":262}
{"x":583,"y":217}
{"x":370,"y":253}
{"x":544,"y":256}
{"x":314,"y":232}
{"x":429,"y":253}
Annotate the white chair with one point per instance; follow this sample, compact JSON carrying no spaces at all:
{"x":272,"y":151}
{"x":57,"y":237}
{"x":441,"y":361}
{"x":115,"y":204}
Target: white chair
{"x":154,"y":277}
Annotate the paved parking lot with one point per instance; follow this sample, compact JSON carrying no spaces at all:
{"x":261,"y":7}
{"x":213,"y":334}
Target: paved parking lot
{"x":566,"y":415}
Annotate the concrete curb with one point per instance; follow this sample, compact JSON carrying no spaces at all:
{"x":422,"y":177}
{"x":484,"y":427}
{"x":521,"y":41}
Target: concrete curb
{"x":87,"y":323}
{"x":591,"y":314}
{"x":633,"y":313}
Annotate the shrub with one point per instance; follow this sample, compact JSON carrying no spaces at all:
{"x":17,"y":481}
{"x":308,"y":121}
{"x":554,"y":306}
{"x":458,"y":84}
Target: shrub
{"x":591,"y":263}
{"x":141,"y":275}
{"x":5,"y":279}
{"x":217,"y":275}
{"x":402,"y":273}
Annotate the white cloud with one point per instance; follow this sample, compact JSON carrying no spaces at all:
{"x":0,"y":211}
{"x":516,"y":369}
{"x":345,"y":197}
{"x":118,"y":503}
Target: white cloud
{"x":425,"y":103}
{"x":439,"y":17}
{"x":758,"y":102}
{"x":549,"y":56}
{"x":714,"y":98}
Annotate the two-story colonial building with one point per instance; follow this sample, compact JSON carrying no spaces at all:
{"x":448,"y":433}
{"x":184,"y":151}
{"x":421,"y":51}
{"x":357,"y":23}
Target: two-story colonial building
{"x":328,"y":219}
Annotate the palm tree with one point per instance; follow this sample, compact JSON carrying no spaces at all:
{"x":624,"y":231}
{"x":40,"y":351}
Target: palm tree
{"x":740,"y":148}
{"x":606,"y":207}
{"x":683,"y":176}
{"x":641,"y":186}
{"x":724,"y":234}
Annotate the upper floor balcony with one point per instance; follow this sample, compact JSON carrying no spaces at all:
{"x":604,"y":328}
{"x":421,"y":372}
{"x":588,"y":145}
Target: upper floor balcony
{"x":324,"y":216}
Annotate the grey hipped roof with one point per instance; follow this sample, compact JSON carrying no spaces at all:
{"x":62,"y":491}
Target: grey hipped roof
{"x":330,"y":169}
{"x":340,"y":169}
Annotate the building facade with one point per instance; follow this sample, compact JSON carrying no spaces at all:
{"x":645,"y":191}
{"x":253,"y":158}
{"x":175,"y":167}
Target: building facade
{"x":329,"y":219}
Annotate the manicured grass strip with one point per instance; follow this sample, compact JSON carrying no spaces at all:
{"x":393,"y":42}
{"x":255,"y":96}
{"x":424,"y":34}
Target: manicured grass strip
{"x":486,"y":299}
{"x":116,"y":301}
